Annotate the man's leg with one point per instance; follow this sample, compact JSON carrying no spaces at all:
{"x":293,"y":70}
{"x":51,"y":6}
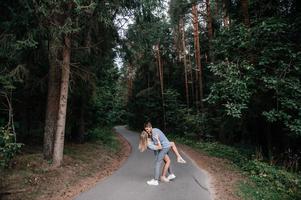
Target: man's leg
{"x":159,"y":160}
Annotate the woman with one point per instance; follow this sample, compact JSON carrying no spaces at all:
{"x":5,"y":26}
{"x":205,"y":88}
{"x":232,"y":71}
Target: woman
{"x":146,"y":142}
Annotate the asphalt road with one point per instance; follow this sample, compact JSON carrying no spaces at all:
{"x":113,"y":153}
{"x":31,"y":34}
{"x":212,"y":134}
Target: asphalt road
{"x":129,"y":182}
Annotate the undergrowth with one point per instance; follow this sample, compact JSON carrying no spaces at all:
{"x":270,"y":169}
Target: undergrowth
{"x":104,"y":136}
{"x":265,"y":181}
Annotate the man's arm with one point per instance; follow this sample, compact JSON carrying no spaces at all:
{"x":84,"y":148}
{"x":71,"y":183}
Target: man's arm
{"x":158,"y":143}
{"x":154,"y":137}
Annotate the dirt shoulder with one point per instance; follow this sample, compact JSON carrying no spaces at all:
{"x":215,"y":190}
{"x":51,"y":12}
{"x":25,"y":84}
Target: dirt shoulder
{"x":223,"y":177}
{"x":84,"y":165}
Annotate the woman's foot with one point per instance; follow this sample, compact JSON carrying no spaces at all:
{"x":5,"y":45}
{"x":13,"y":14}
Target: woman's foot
{"x":171,"y":177}
{"x":181,"y":160}
{"x":164,"y":179}
{"x":153,"y":182}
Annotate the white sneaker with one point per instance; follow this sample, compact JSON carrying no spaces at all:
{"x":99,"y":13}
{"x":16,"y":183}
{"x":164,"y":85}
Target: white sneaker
{"x":171,"y":177}
{"x":181,"y":160}
{"x":153,"y":182}
{"x":164,"y":179}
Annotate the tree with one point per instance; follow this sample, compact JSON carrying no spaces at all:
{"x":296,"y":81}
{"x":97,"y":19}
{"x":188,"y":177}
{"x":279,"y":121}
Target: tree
{"x":61,"y":120}
{"x":199,"y":80}
{"x":52,"y":98}
{"x":183,"y":55}
{"x":58,"y":18}
{"x":209,"y":20}
{"x":226,"y":17}
{"x":130,"y":74}
{"x":160,"y":72}
{"x":245,"y":12}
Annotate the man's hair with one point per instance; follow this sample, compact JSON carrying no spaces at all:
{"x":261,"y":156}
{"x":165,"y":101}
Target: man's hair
{"x":147,"y":124}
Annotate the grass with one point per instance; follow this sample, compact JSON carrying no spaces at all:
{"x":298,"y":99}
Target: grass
{"x":34,"y":174}
{"x":265,"y":181}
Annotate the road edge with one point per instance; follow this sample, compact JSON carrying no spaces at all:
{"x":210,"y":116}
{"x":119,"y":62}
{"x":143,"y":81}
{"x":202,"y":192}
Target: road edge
{"x":210,"y":187}
{"x":124,"y":154}
{"x":223,"y":177}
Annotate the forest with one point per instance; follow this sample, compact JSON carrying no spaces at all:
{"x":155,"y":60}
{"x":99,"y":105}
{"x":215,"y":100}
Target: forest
{"x":222,"y":72}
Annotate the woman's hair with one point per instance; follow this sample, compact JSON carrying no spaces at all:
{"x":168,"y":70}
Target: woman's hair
{"x":143,"y":141}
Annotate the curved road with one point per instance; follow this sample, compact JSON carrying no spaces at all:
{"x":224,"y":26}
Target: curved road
{"x":129,"y":182}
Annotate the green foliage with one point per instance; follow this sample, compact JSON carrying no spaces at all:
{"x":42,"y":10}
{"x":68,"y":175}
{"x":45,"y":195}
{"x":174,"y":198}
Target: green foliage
{"x":271,"y":182}
{"x":175,"y":111}
{"x":178,"y":8}
{"x":147,"y":106}
{"x":8,"y":148}
{"x":280,"y":66}
{"x":265,"y":181}
{"x":251,"y":88}
{"x":181,"y":120}
{"x":27,"y":43}
{"x":252,"y":63}
{"x":104,"y":135}
{"x":232,"y":87}
{"x":108,"y":106}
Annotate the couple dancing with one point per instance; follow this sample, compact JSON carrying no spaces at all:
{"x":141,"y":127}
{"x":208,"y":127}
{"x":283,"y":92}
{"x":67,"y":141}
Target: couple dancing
{"x":154,"y":139}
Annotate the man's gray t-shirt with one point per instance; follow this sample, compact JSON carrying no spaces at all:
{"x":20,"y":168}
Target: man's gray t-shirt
{"x":162,"y":138}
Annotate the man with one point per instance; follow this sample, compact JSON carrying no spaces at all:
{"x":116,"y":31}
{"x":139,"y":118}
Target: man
{"x":155,"y":134}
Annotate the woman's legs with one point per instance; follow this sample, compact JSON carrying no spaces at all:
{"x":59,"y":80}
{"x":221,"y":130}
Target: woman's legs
{"x":175,"y":150}
{"x":166,"y":166}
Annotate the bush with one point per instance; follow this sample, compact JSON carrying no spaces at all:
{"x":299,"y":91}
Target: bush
{"x":265,"y":181}
{"x":104,"y":135}
{"x":271,"y":182}
{"x":8,"y":148}
{"x":181,"y":120}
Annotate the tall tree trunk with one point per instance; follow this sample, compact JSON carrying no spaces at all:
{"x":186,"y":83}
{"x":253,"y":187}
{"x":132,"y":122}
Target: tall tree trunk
{"x":130,"y":82}
{"x":209,"y":20}
{"x":160,"y":70}
{"x":52,"y":98}
{"x":10,"y":123}
{"x":88,"y":38}
{"x":183,"y":50}
{"x":269,"y":142}
{"x":177,"y":41}
{"x":199,"y":89}
{"x":216,"y":9}
{"x":61,"y":121}
{"x":210,"y":29}
{"x":190,"y":77}
{"x":81,"y":130}
{"x":245,"y":12}
{"x":226,"y":18}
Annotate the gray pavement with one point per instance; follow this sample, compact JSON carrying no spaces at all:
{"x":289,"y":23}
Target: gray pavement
{"x":129,"y":182}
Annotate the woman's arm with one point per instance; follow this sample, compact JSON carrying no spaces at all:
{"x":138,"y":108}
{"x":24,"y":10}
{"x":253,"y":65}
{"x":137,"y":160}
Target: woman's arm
{"x":152,"y":146}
